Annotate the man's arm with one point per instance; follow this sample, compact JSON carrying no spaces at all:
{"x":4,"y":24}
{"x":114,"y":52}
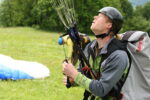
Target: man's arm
{"x":113,"y":69}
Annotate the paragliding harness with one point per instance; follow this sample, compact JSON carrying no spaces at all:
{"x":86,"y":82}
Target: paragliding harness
{"x":113,"y":46}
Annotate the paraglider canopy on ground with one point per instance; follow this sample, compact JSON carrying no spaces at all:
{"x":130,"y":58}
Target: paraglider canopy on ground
{"x":19,"y":69}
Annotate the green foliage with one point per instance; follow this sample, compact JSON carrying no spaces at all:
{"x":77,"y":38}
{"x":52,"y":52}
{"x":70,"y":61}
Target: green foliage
{"x":140,"y":19}
{"x":6,"y":14}
{"x":146,"y":10}
{"x":40,"y":14}
{"x":45,"y":16}
{"x":126,"y":8}
{"x":17,"y":12}
{"x":138,"y":23}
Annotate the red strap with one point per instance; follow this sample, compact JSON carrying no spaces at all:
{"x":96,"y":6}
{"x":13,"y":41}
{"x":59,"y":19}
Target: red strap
{"x":122,"y":96}
{"x":86,"y":68}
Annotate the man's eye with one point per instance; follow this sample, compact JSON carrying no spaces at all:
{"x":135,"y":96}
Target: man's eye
{"x":99,"y":16}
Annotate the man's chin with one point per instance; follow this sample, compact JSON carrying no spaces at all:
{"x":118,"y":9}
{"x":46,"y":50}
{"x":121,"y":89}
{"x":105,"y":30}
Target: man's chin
{"x":92,"y":28}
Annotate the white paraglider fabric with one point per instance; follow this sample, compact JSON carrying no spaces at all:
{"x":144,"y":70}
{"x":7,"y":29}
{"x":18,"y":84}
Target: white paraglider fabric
{"x":20,"y":69}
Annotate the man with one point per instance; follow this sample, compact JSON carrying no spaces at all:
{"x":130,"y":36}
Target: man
{"x":107,"y":56}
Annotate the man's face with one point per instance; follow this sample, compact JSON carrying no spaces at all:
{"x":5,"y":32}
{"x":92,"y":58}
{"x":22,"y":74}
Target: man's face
{"x":101,"y":24}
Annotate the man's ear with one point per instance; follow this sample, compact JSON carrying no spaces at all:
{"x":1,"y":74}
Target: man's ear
{"x":109,"y":25}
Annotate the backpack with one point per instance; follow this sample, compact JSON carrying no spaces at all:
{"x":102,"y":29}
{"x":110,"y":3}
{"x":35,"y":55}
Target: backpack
{"x":137,"y":84}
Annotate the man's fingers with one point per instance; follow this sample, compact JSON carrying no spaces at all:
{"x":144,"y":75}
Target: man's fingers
{"x":65,"y":80}
{"x":64,"y":65}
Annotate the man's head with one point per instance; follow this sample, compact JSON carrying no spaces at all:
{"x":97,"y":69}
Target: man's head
{"x":109,"y":19}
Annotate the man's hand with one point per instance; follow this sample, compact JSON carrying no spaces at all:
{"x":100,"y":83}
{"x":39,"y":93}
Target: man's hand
{"x":65,"y":80}
{"x":69,"y":70}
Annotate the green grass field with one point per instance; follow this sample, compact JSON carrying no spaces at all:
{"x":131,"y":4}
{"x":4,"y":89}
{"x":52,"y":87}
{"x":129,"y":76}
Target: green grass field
{"x":40,"y":46}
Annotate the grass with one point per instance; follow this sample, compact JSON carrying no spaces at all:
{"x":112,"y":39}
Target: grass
{"x":29,"y":44}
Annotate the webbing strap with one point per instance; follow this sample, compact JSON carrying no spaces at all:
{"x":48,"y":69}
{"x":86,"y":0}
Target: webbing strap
{"x":102,"y":35}
{"x":126,"y":73}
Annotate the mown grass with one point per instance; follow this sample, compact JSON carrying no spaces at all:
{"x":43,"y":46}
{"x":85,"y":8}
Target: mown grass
{"x":40,"y":46}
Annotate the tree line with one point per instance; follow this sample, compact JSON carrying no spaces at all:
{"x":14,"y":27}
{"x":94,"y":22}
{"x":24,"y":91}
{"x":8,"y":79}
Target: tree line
{"x":40,"y":14}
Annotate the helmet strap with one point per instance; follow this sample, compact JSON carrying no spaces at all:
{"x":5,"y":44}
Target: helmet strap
{"x":103,"y":35}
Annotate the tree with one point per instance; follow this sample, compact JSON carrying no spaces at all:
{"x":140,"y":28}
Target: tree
{"x":127,"y":9}
{"x":140,"y":19}
{"x":137,"y":23}
{"x":40,"y":14}
{"x":146,"y":10}
{"x":45,"y":16}
{"x":16,"y":12}
{"x":6,"y":14}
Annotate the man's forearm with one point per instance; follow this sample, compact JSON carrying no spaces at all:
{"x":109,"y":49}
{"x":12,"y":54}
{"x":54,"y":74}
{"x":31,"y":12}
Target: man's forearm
{"x":83,"y":81}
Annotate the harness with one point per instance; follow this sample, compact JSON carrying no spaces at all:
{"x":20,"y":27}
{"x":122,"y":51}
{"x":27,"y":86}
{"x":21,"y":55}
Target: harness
{"x":113,"y":46}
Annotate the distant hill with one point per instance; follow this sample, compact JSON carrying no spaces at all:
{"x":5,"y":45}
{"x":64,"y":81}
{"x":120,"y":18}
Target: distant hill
{"x":138,"y":2}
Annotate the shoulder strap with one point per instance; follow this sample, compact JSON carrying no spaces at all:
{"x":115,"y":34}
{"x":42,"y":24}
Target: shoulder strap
{"x":117,"y":91}
{"x":113,"y":46}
